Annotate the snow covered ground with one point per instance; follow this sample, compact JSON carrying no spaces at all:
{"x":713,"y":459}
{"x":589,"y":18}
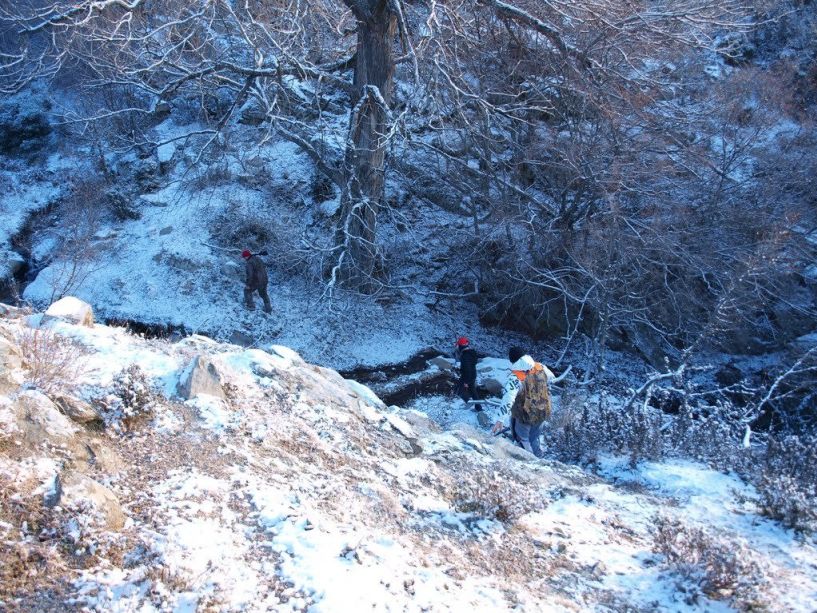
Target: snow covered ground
{"x":300,"y":491}
{"x":173,"y":266}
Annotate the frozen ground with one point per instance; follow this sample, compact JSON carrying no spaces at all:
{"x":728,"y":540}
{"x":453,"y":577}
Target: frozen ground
{"x":174,"y":266}
{"x":300,"y":493}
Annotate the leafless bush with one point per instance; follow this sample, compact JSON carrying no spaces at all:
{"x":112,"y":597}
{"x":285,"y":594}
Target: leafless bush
{"x":121,"y":206}
{"x":721,"y":568}
{"x":27,"y":564}
{"x":53,"y":362}
{"x":322,"y":188}
{"x":238,"y":226}
{"x":132,"y":399}
{"x":213,"y":176}
{"x":75,"y":257}
{"x":242,"y":227}
{"x":787,"y":482}
{"x":585,"y":428}
{"x":49,"y":540}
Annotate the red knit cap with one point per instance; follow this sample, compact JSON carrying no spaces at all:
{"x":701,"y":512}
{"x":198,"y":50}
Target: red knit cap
{"x":462,"y":341}
{"x":245,"y":254}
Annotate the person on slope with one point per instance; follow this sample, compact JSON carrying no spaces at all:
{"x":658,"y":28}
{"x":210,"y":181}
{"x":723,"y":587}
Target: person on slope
{"x":527,"y":398}
{"x":256,"y":281}
{"x":466,"y":356}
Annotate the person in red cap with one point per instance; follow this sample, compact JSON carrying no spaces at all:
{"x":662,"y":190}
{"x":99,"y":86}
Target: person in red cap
{"x":467,"y":357}
{"x":256,"y":281}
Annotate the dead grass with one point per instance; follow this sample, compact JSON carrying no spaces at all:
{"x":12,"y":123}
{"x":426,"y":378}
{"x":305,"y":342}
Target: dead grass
{"x":33,"y":563}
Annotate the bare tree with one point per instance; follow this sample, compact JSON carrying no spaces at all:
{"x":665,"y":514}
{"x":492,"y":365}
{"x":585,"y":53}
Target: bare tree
{"x":282,"y":57}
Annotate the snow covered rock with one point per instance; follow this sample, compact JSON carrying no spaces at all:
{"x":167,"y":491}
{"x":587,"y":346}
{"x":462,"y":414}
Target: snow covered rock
{"x":201,"y":377}
{"x":78,"y":410}
{"x":9,"y":311}
{"x":71,"y":309}
{"x":414,"y":446}
{"x":41,"y":422}
{"x":165,"y":152}
{"x":492,"y":374}
{"x":78,"y":489}
{"x":442,"y":363}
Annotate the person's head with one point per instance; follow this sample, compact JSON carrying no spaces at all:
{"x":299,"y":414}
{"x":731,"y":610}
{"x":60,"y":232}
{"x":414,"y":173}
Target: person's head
{"x":246,"y":254}
{"x":462,"y":342}
{"x":514,"y":353}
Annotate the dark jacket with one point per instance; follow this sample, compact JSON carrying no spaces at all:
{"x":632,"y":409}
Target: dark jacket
{"x":468,"y":364}
{"x":256,"y":273}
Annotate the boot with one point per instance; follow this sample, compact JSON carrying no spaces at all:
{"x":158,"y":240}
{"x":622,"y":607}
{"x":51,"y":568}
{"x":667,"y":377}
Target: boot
{"x":483,"y":420}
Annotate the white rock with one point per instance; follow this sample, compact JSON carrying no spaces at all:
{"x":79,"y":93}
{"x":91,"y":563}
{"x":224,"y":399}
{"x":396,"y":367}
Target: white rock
{"x":166,"y":152}
{"x":442,"y":363}
{"x":71,"y":309}
{"x":10,"y":363}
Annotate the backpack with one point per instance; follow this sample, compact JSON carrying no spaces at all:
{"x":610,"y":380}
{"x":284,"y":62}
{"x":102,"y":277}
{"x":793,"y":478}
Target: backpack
{"x":537,"y":405}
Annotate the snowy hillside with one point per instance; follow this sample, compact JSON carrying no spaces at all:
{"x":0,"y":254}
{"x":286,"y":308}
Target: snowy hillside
{"x":199,"y":476}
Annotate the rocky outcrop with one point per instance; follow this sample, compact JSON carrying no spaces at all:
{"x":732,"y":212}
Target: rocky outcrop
{"x":443,"y":363}
{"x":41,"y":426}
{"x":201,"y":377}
{"x":10,"y":361}
{"x":79,"y":489}
{"x":78,"y":410}
{"x":9,"y":312}
{"x":40,"y":422}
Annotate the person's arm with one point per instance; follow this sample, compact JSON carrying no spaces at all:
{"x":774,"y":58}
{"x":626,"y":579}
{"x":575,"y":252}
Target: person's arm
{"x":518,"y":402}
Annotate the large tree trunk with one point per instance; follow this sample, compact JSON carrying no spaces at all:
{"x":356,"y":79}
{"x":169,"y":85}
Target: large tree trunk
{"x":363,"y":189}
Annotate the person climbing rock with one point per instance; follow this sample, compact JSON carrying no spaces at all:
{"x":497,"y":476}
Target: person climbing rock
{"x":466,"y":356}
{"x":256,"y":281}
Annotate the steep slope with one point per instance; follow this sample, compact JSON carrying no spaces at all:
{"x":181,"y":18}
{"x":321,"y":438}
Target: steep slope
{"x":286,"y":487}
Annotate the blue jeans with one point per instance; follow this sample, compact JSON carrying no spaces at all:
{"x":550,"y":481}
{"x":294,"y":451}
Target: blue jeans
{"x":528,"y":436}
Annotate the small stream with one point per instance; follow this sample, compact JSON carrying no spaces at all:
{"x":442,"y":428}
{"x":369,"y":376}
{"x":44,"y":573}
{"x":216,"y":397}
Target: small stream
{"x":11,"y":289}
{"x":402,"y":382}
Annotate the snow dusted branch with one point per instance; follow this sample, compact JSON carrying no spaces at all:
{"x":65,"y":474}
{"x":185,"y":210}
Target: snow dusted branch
{"x":797,"y":368}
{"x":79,"y":14}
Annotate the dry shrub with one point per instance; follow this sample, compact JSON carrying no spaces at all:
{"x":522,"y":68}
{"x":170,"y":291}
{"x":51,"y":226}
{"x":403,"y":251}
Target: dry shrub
{"x":131,"y":401}
{"x":212,"y":176}
{"x":787,"y":483}
{"x":582,"y":429}
{"x":52,"y":362}
{"x":721,"y":568}
{"x":495,"y":494}
{"x":29,"y":562}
